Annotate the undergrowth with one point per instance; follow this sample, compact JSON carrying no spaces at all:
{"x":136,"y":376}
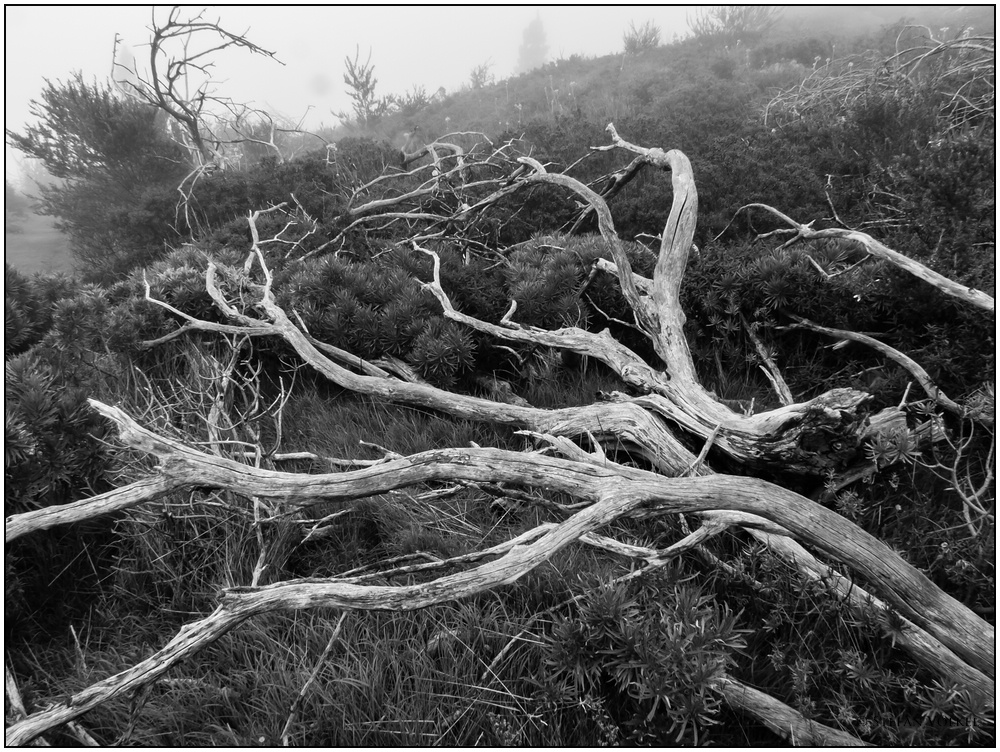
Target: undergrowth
{"x":578,"y":651}
{"x":569,"y":655}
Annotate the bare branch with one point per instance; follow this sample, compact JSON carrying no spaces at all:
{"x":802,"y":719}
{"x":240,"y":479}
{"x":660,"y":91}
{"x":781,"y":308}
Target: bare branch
{"x":877,"y":250}
{"x":611,"y":496}
{"x":116,"y":500}
{"x":168,"y":84}
{"x":769,"y":367}
{"x":782,"y":719}
{"x":629,"y":366}
{"x":922,"y":377}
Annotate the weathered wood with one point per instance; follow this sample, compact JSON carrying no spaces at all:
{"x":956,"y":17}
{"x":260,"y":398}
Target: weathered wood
{"x":878,"y":250}
{"x":635,"y":427}
{"x":769,"y":367}
{"x":809,"y":438}
{"x":624,"y":362}
{"x":193,"y":637}
{"x":116,"y":500}
{"x":17,"y":709}
{"x":624,"y":424}
{"x":610,"y":186}
{"x":916,"y":370}
{"x":612,"y":495}
{"x":779,"y":717}
{"x":783,"y":720}
{"x":905,"y":587}
{"x":643,"y":312}
{"x":928,"y":651}
{"x":434,"y":151}
{"x":188,"y":641}
{"x":13,"y":696}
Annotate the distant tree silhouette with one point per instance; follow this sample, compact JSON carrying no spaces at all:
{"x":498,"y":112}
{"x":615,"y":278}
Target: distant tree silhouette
{"x":118,"y":172}
{"x":360,"y":79}
{"x":727,"y":23}
{"x":481,"y":76}
{"x":534,"y":47}
{"x":637,"y":39}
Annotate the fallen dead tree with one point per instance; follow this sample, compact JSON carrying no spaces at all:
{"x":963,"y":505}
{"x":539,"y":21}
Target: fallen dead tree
{"x":612,"y":492}
{"x":808,"y":438}
{"x":812,"y":438}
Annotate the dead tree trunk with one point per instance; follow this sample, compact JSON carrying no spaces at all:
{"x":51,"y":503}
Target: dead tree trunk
{"x":808,"y":438}
{"x":613,"y":492}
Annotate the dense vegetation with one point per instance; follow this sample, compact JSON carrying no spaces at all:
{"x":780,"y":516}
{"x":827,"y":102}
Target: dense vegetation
{"x":576,"y":652}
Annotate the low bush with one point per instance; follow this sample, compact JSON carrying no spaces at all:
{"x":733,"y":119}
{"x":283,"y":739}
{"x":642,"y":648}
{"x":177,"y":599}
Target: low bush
{"x":650,"y":655}
{"x":55,"y":446}
{"x":571,"y":653}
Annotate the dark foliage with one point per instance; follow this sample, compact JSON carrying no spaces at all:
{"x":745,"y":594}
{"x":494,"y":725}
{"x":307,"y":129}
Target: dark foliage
{"x":55,"y":447}
{"x":648,"y":654}
{"x":864,"y":685}
{"x":634,"y":662}
{"x":119,"y":174}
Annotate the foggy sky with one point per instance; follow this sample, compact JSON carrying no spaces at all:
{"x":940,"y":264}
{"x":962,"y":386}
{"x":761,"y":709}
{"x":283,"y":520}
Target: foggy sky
{"x":432,"y":47}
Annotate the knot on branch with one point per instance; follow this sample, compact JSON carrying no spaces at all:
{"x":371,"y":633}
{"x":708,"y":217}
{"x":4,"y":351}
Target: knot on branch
{"x":826,"y":434}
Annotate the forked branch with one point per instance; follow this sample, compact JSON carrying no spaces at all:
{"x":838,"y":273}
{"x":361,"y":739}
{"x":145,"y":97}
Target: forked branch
{"x":917,"y":371}
{"x":877,"y":250}
{"x":611,"y":494}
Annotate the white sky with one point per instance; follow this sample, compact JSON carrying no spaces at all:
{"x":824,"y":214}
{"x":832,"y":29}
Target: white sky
{"x":430,"y":46}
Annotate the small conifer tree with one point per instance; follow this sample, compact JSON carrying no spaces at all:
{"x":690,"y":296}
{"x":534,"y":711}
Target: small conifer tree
{"x":534,"y":47}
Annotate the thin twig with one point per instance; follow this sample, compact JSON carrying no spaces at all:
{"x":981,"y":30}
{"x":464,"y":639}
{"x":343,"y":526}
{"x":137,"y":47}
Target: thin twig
{"x":695,"y":467}
{"x":285,"y":732}
{"x":769,"y":367}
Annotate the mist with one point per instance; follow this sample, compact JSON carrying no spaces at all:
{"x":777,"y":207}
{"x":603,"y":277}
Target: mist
{"x":409,"y":47}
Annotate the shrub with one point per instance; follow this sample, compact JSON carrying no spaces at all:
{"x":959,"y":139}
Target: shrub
{"x":650,"y":653}
{"x":726,"y":24}
{"x":51,"y":437}
{"x":55,"y":445}
{"x":119,"y":173}
{"x":642,"y":38}
{"x":839,"y":668}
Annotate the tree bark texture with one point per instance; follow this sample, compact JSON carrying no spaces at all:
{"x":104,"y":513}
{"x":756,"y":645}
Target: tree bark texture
{"x":612,"y":494}
{"x":809,"y":438}
{"x":875,"y":249}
